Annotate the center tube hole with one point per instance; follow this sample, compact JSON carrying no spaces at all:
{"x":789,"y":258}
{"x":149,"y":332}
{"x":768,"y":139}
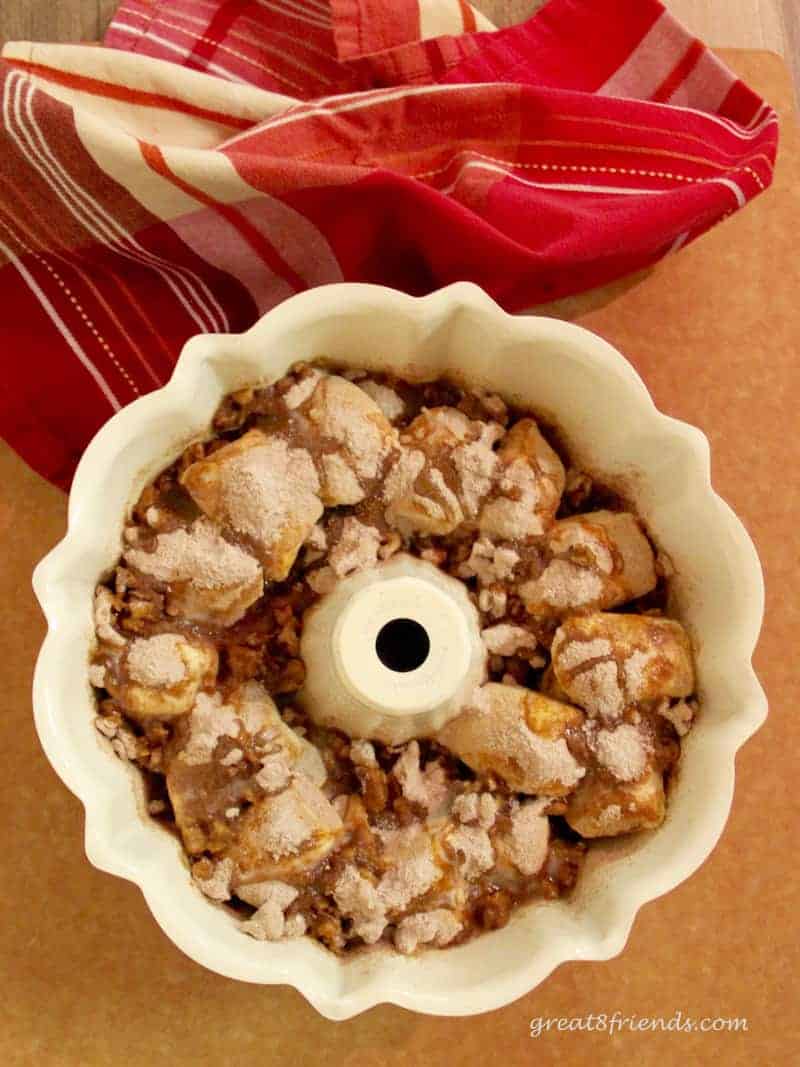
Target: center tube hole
{"x":402,"y":645}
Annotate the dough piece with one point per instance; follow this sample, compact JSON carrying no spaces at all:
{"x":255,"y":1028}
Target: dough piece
{"x":518,"y":735}
{"x":530,"y":481}
{"x":549,"y":687}
{"x":263,"y":489}
{"x":284,"y":835}
{"x":602,"y":809}
{"x":228,"y":752}
{"x":623,"y":752}
{"x":159,"y":677}
{"x":445,"y":474}
{"x":390,"y":402}
{"x":414,"y":870}
{"x":260,"y":715}
{"x":350,"y":420}
{"x":340,"y":484}
{"x":208,"y":579}
{"x":596,"y":561}
{"x":607,"y":662}
{"x":416,"y":867}
{"x":525,"y":845}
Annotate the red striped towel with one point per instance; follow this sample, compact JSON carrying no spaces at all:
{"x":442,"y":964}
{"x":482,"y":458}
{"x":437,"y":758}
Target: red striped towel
{"x":221,"y":155}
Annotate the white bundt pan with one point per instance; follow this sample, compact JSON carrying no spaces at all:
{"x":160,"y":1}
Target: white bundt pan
{"x":613,"y":428}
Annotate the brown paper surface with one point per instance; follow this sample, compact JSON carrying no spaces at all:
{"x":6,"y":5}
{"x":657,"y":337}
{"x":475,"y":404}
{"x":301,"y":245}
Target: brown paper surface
{"x":89,"y":979}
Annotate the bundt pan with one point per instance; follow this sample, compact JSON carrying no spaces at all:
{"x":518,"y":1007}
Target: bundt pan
{"x":613,"y":429}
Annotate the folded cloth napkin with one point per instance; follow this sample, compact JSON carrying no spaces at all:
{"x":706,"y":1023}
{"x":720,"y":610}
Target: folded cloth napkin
{"x":218,"y":156}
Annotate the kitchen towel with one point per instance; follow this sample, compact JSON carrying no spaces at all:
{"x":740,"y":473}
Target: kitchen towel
{"x":216,"y":156}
